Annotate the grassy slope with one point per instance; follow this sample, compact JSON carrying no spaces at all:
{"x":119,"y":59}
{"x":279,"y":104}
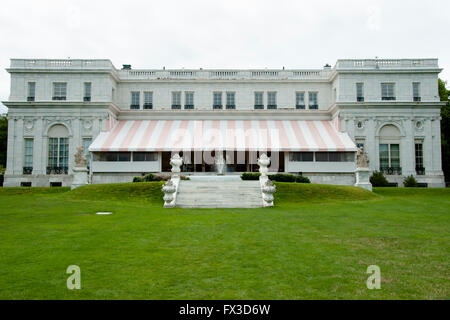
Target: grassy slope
{"x":315,"y":243}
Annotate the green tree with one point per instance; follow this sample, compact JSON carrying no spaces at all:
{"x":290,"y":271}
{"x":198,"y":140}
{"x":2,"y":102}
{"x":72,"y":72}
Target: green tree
{"x":3,"y":139}
{"x":445,"y":129}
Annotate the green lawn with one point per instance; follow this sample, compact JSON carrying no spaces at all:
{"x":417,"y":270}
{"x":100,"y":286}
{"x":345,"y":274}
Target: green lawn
{"x":316,"y":243}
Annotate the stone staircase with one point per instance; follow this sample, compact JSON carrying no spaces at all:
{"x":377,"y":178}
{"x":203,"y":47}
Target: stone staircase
{"x":218,"y":192}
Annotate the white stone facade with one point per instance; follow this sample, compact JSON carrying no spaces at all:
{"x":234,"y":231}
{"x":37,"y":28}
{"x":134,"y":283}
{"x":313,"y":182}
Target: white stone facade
{"x":110,"y":100}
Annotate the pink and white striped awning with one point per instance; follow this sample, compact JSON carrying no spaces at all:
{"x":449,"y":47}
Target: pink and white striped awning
{"x":198,"y":135}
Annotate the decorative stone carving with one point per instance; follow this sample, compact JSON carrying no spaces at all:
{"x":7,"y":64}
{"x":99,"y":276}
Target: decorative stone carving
{"x":362,"y":173}
{"x":176,"y":161}
{"x":80,"y":158}
{"x":80,"y":171}
{"x":263,"y":162}
{"x":362,"y":159}
{"x":268,"y":189}
{"x":170,"y":187}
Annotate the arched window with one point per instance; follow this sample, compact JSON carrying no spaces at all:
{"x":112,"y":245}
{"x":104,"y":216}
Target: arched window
{"x":390,"y":149}
{"x":58,"y":150}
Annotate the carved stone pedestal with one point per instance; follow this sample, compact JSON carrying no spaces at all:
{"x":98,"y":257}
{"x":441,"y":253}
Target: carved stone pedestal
{"x":80,"y":177}
{"x":363,"y":178}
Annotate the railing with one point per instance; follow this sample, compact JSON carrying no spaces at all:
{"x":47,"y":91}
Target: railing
{"x":176,"y":106}
{"x":271,"y":106}
{"x":86,"y":99}
{"x":156,"y":74}
{"x":259,"y":106}
{"x":59,"y":98}
{"x":57,"y":170}
{"x":420,"y":171}
{"x":148,"y":106}
{"x":30,"y":98}
{"x":134,"y":106}
{"x":27,"y":170}
{"x":188,"y":106}
{"x":391,"y":170}
{"x":231,"y":106}
{"x":61,"y":64}
{"x":386,"y":63}
{"x":217,"y":106}
{"x":299,"y":106}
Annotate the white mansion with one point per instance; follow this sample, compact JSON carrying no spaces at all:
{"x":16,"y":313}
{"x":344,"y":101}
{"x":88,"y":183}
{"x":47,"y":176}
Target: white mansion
{"x":308,"y":121}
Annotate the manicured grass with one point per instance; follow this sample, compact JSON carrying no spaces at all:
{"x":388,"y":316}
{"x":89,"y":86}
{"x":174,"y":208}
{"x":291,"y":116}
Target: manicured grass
{"x":316,"y":243}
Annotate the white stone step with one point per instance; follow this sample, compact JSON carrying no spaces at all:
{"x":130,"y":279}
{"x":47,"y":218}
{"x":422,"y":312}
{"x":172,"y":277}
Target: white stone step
{"x":218,"y":192}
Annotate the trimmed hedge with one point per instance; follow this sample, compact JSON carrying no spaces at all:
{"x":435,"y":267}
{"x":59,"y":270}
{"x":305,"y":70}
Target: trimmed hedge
{"x":155,"y":177}
{"x":410,"y":182}
{"x":279,"y":177}
{"x":250,"y":176}
{"x":377,"y":179}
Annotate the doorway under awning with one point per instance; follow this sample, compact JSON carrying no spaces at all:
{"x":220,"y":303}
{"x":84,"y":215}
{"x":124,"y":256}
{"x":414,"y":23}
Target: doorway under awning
{"x":226,"y":135}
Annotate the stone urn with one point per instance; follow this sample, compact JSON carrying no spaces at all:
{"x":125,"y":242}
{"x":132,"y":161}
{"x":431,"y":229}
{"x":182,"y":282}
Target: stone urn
{"x":176,"y":161}
{"x":268,"y":189}
{"x":169,"y":189}
{"x":263,"y":162}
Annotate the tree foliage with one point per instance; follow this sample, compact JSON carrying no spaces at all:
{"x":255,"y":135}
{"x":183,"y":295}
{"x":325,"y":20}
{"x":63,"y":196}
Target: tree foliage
{"x":445,"y":129}
{"x":3,"y":140}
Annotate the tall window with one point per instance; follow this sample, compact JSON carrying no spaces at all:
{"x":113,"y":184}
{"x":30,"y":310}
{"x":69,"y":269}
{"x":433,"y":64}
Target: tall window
{"x":360,"y":92}
{"x":86,"y":143}
{"x":87,"y":91}
{"x":271,"y":100}
{"x":419,"y":158}
{"x":28,"y":163}
{"x":217,"y":100}
{"x":176,"y":100}
{"x":416,"y":91}
{"x":58,"y":150}
{"x":148,"y":100}
{"x":189,"y":100}
{"x":58,"y":154}
{"x":259,"y":103}
{"x":31,"y":91}
{"x":231,"y":104}
{"x":300,"y":100}
{"x":135,"y":100}
{"x":389,"y":157}
{"x":313,"y":104}
{"x":59,"y":90}
{"x":387,"y":91}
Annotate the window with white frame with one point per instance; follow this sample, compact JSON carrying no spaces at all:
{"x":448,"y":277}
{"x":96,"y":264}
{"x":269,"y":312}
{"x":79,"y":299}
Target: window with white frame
{"x":135,"y":100}
{"x":360,"y":92}
{"x":217,"y":100}
{"x":87,"y":91}
{"x":388,"y":91}
{"x":189,"y":100}
{"x":148,"y":100}
{"x":176,"y":100}
{"x":271,"y":100}
{"x":389,"y":156}
{"x":313,"y":101}
{"x":300,"y":100}
{"x":416,"y":91}
{"x":231,"y":103}
{"x":31,"y":91}
{"x":58,"y":153}
{"x":259,"y":102}
{"x":28,"y":161}
{"x":59,"y":90}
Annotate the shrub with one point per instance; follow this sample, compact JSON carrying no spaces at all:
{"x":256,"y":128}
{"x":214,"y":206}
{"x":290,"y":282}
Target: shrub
{"x":250,"y":176}
{"x":410,"y":182}
{"x":279,"y":177}
{"x":302,"y":179}
{"x":155,"y":177}
{"x":378,"y":180}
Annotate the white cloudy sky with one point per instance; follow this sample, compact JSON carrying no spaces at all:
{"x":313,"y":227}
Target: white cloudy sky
{"x":227,"y":33}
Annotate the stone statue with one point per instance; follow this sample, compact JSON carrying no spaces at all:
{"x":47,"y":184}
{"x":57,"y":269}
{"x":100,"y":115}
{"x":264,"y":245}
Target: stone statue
{"x":362,"y":159}
{"x":219,"y":162}
{"x":80,"y":158}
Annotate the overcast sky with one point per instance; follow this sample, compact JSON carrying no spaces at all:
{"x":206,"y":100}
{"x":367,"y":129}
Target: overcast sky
{"x":223,"y":34}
